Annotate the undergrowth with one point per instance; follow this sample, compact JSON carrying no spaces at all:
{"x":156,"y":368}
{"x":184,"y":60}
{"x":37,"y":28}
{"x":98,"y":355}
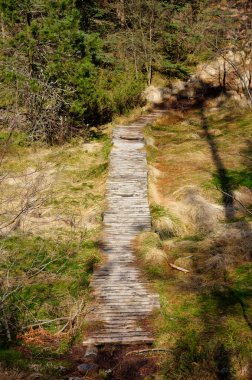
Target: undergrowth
{"x":205,"y":319}
{"x":48,"y":254}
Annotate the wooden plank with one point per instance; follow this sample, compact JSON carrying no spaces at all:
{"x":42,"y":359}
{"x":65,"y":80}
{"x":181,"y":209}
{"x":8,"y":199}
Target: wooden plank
{"x":122,"y":296}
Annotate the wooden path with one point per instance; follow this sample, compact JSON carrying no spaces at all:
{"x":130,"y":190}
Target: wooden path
{"x":122,"y":298}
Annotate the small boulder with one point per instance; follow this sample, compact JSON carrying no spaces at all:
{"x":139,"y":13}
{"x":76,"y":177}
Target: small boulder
{"x":177,"y":87}
{"x":153,"y":95}
{"x":86,"y":367}
{"x":215,"y":132}
{"x":194,"y":136}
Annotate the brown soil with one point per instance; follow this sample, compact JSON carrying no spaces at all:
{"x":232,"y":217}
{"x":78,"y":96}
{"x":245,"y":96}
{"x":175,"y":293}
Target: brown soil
{"x":115,"y":363}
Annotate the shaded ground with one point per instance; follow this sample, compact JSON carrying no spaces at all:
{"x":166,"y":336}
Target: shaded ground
{"x":118,"y":362}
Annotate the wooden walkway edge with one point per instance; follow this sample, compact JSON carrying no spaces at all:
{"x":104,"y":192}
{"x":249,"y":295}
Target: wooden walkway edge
{"x":122,"y":298}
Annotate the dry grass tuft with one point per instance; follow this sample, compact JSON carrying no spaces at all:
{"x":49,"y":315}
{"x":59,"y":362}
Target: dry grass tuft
{"x":155,"y":256}
{"x":243,"y":195}
{"x":219,"y":262}
{"x":154,"y":172}
{"x":166,"y":227}
{"x":225,"y":250}
{"x":149,"y":247}
{"x":195,"y":212}
{"x":148,"y":240}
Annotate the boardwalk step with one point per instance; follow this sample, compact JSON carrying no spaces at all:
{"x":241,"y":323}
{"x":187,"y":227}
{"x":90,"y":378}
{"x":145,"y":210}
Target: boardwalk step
{"x":122,"y":294}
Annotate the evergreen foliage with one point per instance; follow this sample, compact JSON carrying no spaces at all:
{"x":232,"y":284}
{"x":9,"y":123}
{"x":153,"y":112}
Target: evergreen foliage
{"x":69,"y":64}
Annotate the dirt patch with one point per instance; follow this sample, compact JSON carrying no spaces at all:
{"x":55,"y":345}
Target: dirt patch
{"x":114,"y":362}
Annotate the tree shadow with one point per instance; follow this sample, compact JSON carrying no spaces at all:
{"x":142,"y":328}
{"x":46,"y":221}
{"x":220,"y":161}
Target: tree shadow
{"x":226,"y":185}
{"x":222,"y":295}
{"x":222,"y":359}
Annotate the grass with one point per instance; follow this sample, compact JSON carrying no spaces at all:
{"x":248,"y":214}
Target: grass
{"x":206,"y":315}
{"x":49,"y":257}
{"x":202,"y":328}
{"x":51,"y":294}
{"x":236,"y":178}
{"x":187,"y":145}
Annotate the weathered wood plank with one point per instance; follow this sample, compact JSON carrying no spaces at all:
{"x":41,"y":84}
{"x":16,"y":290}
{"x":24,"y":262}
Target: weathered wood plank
{"x":122,"y":296}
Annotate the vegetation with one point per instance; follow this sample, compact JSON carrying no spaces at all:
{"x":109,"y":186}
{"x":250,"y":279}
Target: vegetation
{"x":68,"y":65}
{"x":69,"y":70}
{"x":205,"y":316}
{"x":52,"y":199}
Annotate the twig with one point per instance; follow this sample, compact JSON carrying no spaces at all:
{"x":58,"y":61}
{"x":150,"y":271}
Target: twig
{"x":139,"y":352}
{"x":72,"y":320}
{"x":179,"y":268}
{"x":40,"y":323}
{"x":235,"y":199}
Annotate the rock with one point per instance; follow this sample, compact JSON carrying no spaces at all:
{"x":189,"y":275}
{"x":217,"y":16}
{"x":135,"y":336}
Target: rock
{"x":86,"y":367}
{"x":91,"y":351}
{"x":212,"y":110}
{"x":170,"y":98}
{"x":194,"y":136}
{"x":215,"y":132}
{"x":187,"y":93}
{"x":232,"y":93}
{"x":153,"y":95}
{"x":177,"y":87}
{"x":235,"y":95}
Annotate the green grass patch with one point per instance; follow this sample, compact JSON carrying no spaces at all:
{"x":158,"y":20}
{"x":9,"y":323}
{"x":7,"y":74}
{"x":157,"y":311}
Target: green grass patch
{"x":98,"y":170}
{"x":233,"y":179}
{"x":157,"y":211}
{"x":13,"y":358}
{"x":205,"y":329}
{"x":17,"y":138}
{"x":50,"y":276}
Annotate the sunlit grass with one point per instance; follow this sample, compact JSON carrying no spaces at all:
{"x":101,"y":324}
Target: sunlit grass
{"x":205,"y":316}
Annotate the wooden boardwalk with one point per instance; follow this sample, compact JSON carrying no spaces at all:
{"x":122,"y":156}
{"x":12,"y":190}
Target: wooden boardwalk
{"x":122,"y":299}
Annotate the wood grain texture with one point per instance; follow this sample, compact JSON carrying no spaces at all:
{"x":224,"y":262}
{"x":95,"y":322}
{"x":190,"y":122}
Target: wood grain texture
{"x":123,"y":299}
